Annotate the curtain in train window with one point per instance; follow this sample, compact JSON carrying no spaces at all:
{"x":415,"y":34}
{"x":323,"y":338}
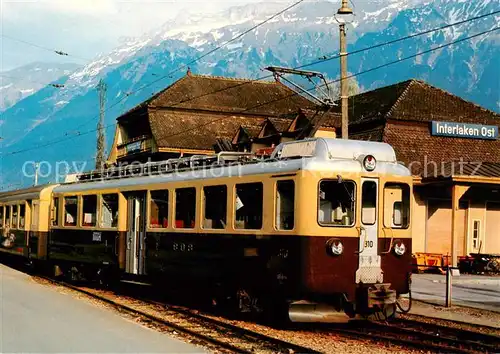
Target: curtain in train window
{"x":215,"y":207}
{"x":185,"y":208}
{"x":109,"y":210}
{"x":35,"y":215}
{"x":249,"y":206}
{"x":15,"y":214}
{"x":70,"y":211}
{"x":336,"y":203}
{"x":89,"y":210}
{"x":158,"y":209}
{"x":285,"y":205}
{"x":7,"y":216}
{"x":22,"y":216}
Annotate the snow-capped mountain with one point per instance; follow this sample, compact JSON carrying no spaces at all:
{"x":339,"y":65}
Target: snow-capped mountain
{"x":21,"y":82}
{"x":143,"y":66}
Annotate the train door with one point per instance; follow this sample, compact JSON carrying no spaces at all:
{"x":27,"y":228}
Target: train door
{"x":369,"y":264}
{"x":136,"y":235}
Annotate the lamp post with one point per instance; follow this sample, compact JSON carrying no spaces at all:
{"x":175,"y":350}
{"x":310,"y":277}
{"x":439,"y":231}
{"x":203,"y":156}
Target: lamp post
{"x":342,"y":14}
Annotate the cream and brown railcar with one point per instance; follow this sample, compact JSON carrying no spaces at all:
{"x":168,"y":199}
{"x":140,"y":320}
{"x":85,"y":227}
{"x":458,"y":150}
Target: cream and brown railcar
{"x":24,"y":222}
{"x":324,"y":220}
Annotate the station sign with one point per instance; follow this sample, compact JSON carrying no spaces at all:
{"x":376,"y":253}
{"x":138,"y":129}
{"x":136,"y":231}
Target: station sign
{"x":464,"y":130}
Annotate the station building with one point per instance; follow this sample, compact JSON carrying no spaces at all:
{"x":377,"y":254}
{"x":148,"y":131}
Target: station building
{"x":451,"y":145}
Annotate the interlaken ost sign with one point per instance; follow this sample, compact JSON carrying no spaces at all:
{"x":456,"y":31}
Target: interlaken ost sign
{"x":463,"y":130}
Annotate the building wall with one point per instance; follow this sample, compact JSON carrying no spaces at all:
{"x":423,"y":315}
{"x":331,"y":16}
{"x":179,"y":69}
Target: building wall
{"x":419,"y":221}
{"x":492,"y":237}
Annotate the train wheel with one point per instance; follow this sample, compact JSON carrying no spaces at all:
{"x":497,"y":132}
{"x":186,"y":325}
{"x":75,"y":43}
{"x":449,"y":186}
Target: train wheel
{"x":276,"y":312}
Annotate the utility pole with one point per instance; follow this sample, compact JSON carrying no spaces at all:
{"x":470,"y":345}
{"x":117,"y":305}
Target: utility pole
{"x":344,"y":11}
{"x":101,"y":138}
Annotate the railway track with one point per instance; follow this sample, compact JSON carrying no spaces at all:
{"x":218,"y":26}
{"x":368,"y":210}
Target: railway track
{"x":202,"y":330}
{"x":414,"y":334}
{"x":225,"y":337}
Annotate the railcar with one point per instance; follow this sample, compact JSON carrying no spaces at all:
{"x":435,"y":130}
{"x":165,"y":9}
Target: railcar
{"x":24,"y":222}
{"x":322,"y":220}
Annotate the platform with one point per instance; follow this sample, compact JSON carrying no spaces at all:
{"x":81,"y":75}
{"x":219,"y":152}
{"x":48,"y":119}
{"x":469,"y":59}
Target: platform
{"x":38,"y":319}
{"x":480,"y":292}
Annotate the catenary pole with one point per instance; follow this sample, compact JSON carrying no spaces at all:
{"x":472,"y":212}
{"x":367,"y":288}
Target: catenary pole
{"x":344,"y":11}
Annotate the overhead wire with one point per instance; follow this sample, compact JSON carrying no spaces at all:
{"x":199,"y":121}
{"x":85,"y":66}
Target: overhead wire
{"x":285,"y":97}
{"x":184,"y":66}
{"x":299,"y":67}
{"x":52,"y":50}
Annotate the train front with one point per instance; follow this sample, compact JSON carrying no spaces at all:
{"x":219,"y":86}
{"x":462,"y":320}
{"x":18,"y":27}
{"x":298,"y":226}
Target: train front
{"x":357,"y":253}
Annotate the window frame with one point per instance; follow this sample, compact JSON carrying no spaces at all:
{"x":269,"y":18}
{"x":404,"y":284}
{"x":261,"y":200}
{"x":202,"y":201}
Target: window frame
{"x":100,"y":202}
{"x":55,"y":213}
{"x":409,"y":206}
{"x":233,"y":201}
{"x":15,"y":207}
{"x":2,"y":218}
{"x":8,"y":216}
{"x":355,"y":211}
{"x":478,"y":239}
{"x":276,"y":226}
{"x":203,"y":207}
{"x":174,"y":209}
{"x":81,"y":211}
{"x":78,"y":211}
{"x":377,"y":203}
{"x":169,"y":212}
{"x":24,"y":216}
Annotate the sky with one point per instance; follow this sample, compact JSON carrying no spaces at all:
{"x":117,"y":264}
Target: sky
{"x":84,"y":28}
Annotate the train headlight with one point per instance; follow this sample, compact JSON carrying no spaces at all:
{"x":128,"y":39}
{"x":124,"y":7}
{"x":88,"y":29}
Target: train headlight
{"x":399,"y":248}
{"x":369,"y":163}
{"x":335,"y":247}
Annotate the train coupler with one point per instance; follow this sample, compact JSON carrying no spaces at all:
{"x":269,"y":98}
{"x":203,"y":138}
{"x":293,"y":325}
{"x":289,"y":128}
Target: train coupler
{"x":380,"y":295}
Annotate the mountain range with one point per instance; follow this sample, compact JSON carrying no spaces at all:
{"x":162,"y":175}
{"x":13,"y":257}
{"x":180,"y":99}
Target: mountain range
{"x":21,"y":82}
{"x":58,"y":124}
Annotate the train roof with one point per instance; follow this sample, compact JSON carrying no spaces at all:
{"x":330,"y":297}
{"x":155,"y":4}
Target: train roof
{"x":319,"y":154}
{"x":24,"y":193}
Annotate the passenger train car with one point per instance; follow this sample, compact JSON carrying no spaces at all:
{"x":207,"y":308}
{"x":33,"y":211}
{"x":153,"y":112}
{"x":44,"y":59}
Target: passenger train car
{"x":322,"y":220}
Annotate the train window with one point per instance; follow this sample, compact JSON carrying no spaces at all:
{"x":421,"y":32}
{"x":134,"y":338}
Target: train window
{"x":70,"y":211}
{"x":369,"y":203}
{"x":249,"y":206}
{"x":285,"y":205}
{"x":336,"y":203}
{"x":397,"y":205}
{"x":22,"y":215}
{"x":109,"y":210}
{"x":158,"y":209}
{"x":14,"y":216}
{"x":185,"y":208}
{"x":215,"y":207}
{"x":7,"y":216}
{"x":89,"y":210}
{"x":2,"y":208}
{"x":55,"y":211}
{"x":35,"y":215}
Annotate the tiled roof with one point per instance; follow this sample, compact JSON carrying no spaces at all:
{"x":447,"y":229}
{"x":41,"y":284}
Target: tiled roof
{"x":423,"y":153}
{"x":328,"y":120}
{"x":416,"y":100}
{"x":192,"y":130}
{"x":229,"y":95}
{"x":281,"y":124}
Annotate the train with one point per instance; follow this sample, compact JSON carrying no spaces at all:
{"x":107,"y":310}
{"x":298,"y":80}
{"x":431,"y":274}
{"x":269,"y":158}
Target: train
{"x":321,"y":221}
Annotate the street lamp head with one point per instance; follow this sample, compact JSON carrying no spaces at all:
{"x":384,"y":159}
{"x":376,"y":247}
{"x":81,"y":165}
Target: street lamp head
{"x":345,"y":10}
